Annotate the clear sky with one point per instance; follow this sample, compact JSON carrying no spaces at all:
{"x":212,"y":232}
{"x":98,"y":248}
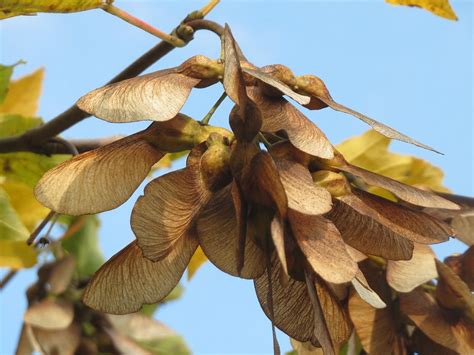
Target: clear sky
{"x":403,"y":66}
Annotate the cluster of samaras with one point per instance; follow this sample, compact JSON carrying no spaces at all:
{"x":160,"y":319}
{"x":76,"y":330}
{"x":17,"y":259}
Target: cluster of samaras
{"x":294,"y":217}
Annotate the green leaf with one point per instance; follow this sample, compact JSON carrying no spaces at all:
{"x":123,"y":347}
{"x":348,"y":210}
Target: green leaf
{"x":24,"y":167}
{"x":11,"y":227}
{"x":14,"y":124}
{"x":6,"y":72}
{"x":27,"y":167}
{"x":82,"y":242}
{"x":14,"y":252}
{"x":10,"y":8}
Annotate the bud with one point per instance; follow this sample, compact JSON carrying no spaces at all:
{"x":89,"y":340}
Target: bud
{"x":313,"y":86}
{"x":215,"y":163}
{"x":181,"y":133}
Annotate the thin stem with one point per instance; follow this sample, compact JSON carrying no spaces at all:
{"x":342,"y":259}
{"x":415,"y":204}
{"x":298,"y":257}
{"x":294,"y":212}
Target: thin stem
{"x":40,"y":227}
{"x":7,"y":278}
{"x":208,"y":8}
{"x":263,"y":140}
{"x":175,"y":41}
{"x":68,"y":145}
{"x":206,"y":25}
{"x":213,"y":109}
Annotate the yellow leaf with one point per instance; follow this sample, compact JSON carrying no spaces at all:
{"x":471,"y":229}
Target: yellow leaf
{"x":16,"y":254}
{"x":11,"y":227}
{"x":10,"y":8}
{"x":167,"y":160}
{"x":30,"y":211}
{"x":197,"y":260}
{"x":438,"y":7}
{"x":370,"y":151}
{"x":23,"y":94}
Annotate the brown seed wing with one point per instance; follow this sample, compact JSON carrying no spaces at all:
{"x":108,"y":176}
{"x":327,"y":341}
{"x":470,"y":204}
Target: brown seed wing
{"x":167,"y":211}
{"x":99,"y":180}
{"x":279,"y":115}
{"x":158,"y":96}
{"x":368,"y":235}
{"x":323,"y":247}
{"x":218,"y":236}
{"x":129,"y":280}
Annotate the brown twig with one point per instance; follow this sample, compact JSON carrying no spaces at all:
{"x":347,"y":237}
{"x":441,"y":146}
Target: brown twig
{"x":7,"y":278}
{"x":35,"y":140}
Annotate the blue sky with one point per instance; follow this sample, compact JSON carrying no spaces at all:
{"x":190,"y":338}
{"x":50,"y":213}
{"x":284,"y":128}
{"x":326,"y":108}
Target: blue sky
{"x":403,"y":66}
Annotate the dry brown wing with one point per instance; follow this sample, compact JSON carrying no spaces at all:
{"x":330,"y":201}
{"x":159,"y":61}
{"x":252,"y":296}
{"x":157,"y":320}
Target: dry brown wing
{"x":414,"y":225}
{"x":277,"y":84}
{"x":302,"y":194}
{"x":292,"y":309}
{"x":316,"y":87}
{"x":368,"y":235}
{"x":435,"y":322}
{"x":167,"y":211}
{"x":323,"y":246}
{"x":50,"y":314}
{"x":217,"y":229}
{"x":406,"y":275}
{"x":128,"y":280}
{"x":376,"y":328}
{"x":63,"y":341}
{"x":407,"y":193}
{"x":280,"y":115}
{"x":158,"y":96}
{"x":98,"y":180}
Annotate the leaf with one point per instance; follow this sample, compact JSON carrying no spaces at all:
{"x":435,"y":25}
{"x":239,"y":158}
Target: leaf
{"x":25,"y":204}
{"x":11,"y":227}
{"x":441,"y":8}
{"x":81,"y":240}
{"x":197,"y":260}
{"x":6,"y":72}
{"x":27,"y":168}
{"x":370,"y":151}
{"x":14,"y":124}
{"x":23,"y":94}
{"x":16,"y":254}
{"x":10,"y":8}
{"x":168,"y":159}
